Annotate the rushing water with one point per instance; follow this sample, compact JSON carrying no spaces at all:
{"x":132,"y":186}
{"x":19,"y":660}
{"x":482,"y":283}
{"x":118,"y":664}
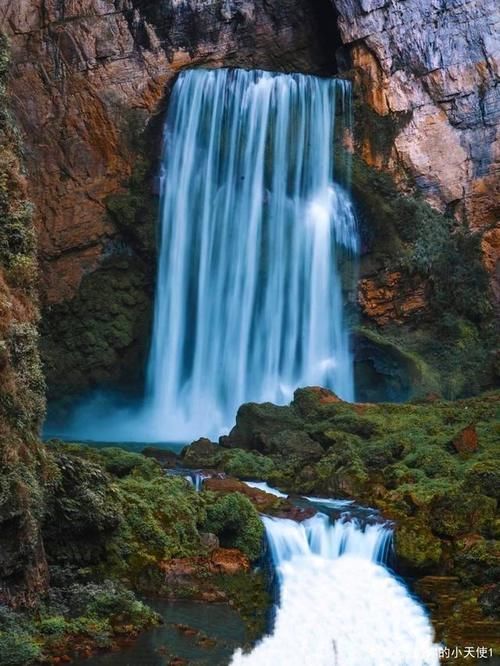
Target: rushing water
{"x":339,"y":606}
{"x":249,"y":299}
{"x":248,"y":302}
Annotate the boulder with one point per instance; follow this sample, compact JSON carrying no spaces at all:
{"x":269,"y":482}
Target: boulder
{"x":202,"y":453}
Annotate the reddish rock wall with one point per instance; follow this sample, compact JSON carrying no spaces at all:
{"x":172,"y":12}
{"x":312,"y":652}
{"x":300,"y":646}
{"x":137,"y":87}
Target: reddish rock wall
{"x":80,"y":67}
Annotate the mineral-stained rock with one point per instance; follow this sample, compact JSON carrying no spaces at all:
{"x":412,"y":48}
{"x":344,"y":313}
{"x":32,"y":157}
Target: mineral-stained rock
{"x":86,"y":71}
{"x":466,"y":441}
{"x":385,"y":299}
{"x":229,"y":560}
{"x":436,"y":66}
{"x":261,"y":500}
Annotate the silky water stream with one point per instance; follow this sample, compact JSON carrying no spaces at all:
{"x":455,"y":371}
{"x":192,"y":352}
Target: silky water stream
{"x":255,"y":219}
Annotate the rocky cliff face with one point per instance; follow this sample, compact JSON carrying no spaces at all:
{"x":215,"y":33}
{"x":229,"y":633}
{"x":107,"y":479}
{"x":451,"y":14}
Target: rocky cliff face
{"x":85,"y":70}
{"x":22,"y":561}
{"x":433,"y":67}
{"x":89,"y":83}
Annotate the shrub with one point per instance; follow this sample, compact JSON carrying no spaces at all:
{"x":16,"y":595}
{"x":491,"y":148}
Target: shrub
{"x":236,"y":522}
{"x":18,"y":648}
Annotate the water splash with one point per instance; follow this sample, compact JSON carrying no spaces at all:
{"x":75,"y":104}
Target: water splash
{"x":338,"y":605}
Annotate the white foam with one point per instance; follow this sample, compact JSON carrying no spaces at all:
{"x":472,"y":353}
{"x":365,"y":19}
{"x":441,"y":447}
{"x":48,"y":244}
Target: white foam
{"x":262,"y":485}
{"x":338,"y":606}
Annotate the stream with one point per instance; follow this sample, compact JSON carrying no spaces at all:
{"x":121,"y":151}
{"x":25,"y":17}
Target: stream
{"x":339,"y":602}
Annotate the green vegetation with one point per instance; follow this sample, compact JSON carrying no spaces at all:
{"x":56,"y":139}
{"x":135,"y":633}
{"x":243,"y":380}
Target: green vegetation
{"x":400,"y":458}
{"x":72,"y":620}
{"x":100,"y":336}
{"x":431,"y":466}
{"x":454,"y":342}
{"x":22,"y":387}
{"x":111,"y":521}
{"x":235,"y":521}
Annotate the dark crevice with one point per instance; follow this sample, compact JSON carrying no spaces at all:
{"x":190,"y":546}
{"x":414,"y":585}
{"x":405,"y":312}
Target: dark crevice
{"x":328,"y":34}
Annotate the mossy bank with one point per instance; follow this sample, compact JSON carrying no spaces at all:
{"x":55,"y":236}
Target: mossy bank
{"x":114,"y":525}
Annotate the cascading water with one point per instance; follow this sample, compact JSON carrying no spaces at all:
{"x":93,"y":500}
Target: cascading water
{"x":249,"y":300}
{"x":338,"y":605}
{"x":248,"y":303}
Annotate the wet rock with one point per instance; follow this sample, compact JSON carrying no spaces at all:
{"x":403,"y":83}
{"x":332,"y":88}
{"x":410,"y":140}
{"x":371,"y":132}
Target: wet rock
{"x":229,"y":561}
{"x":490,"y":601}
{"x":206,"y":642}
{"x":186,"y":630}
{"x":262,"y":501}
{"x":209,"y":541}
{"x":294,"y":513}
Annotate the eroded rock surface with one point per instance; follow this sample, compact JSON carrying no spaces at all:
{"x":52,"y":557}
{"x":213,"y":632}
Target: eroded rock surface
{"x":433,"y":67}
{"x":88,"y":73}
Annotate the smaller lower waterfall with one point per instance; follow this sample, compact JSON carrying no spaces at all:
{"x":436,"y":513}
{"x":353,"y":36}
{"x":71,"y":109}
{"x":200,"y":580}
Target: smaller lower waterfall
{"x":338,"y":605}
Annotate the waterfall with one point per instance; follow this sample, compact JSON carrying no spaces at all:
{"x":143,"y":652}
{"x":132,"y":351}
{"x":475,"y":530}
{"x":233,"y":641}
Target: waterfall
{"x":255,"y":218}
{"x":339,"y":606}
{"x":248,"y":301}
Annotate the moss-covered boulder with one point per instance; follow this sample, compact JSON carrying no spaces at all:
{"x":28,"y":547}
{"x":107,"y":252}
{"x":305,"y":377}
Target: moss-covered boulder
{"x":202,"y":453}
{"x":257,"y":425}
{"x":417,"y":549}
{"x":234,"y":520}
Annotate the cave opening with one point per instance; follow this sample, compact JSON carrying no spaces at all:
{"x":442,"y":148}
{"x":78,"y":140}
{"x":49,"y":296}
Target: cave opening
{"x":328,"y":34}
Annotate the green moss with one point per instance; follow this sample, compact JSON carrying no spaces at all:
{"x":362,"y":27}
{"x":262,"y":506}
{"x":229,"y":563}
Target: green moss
{"x":451,"y":344}
{"x":247,"y":465}
{"x":456,"y":513}
{"x":117,"y":512}
{"x":70,"y":620}
{"x":100,"y":336}
{"x":18,"y":648}
{"x":416,"y":547}
{"x":248,"y":592}
{"x":235,"y":521}
{"x":400,"y":365}
{"x":203,"y":453}
{"x":484,"y":477}
{"x":160,"y":522}
{"x":478,"y":561}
